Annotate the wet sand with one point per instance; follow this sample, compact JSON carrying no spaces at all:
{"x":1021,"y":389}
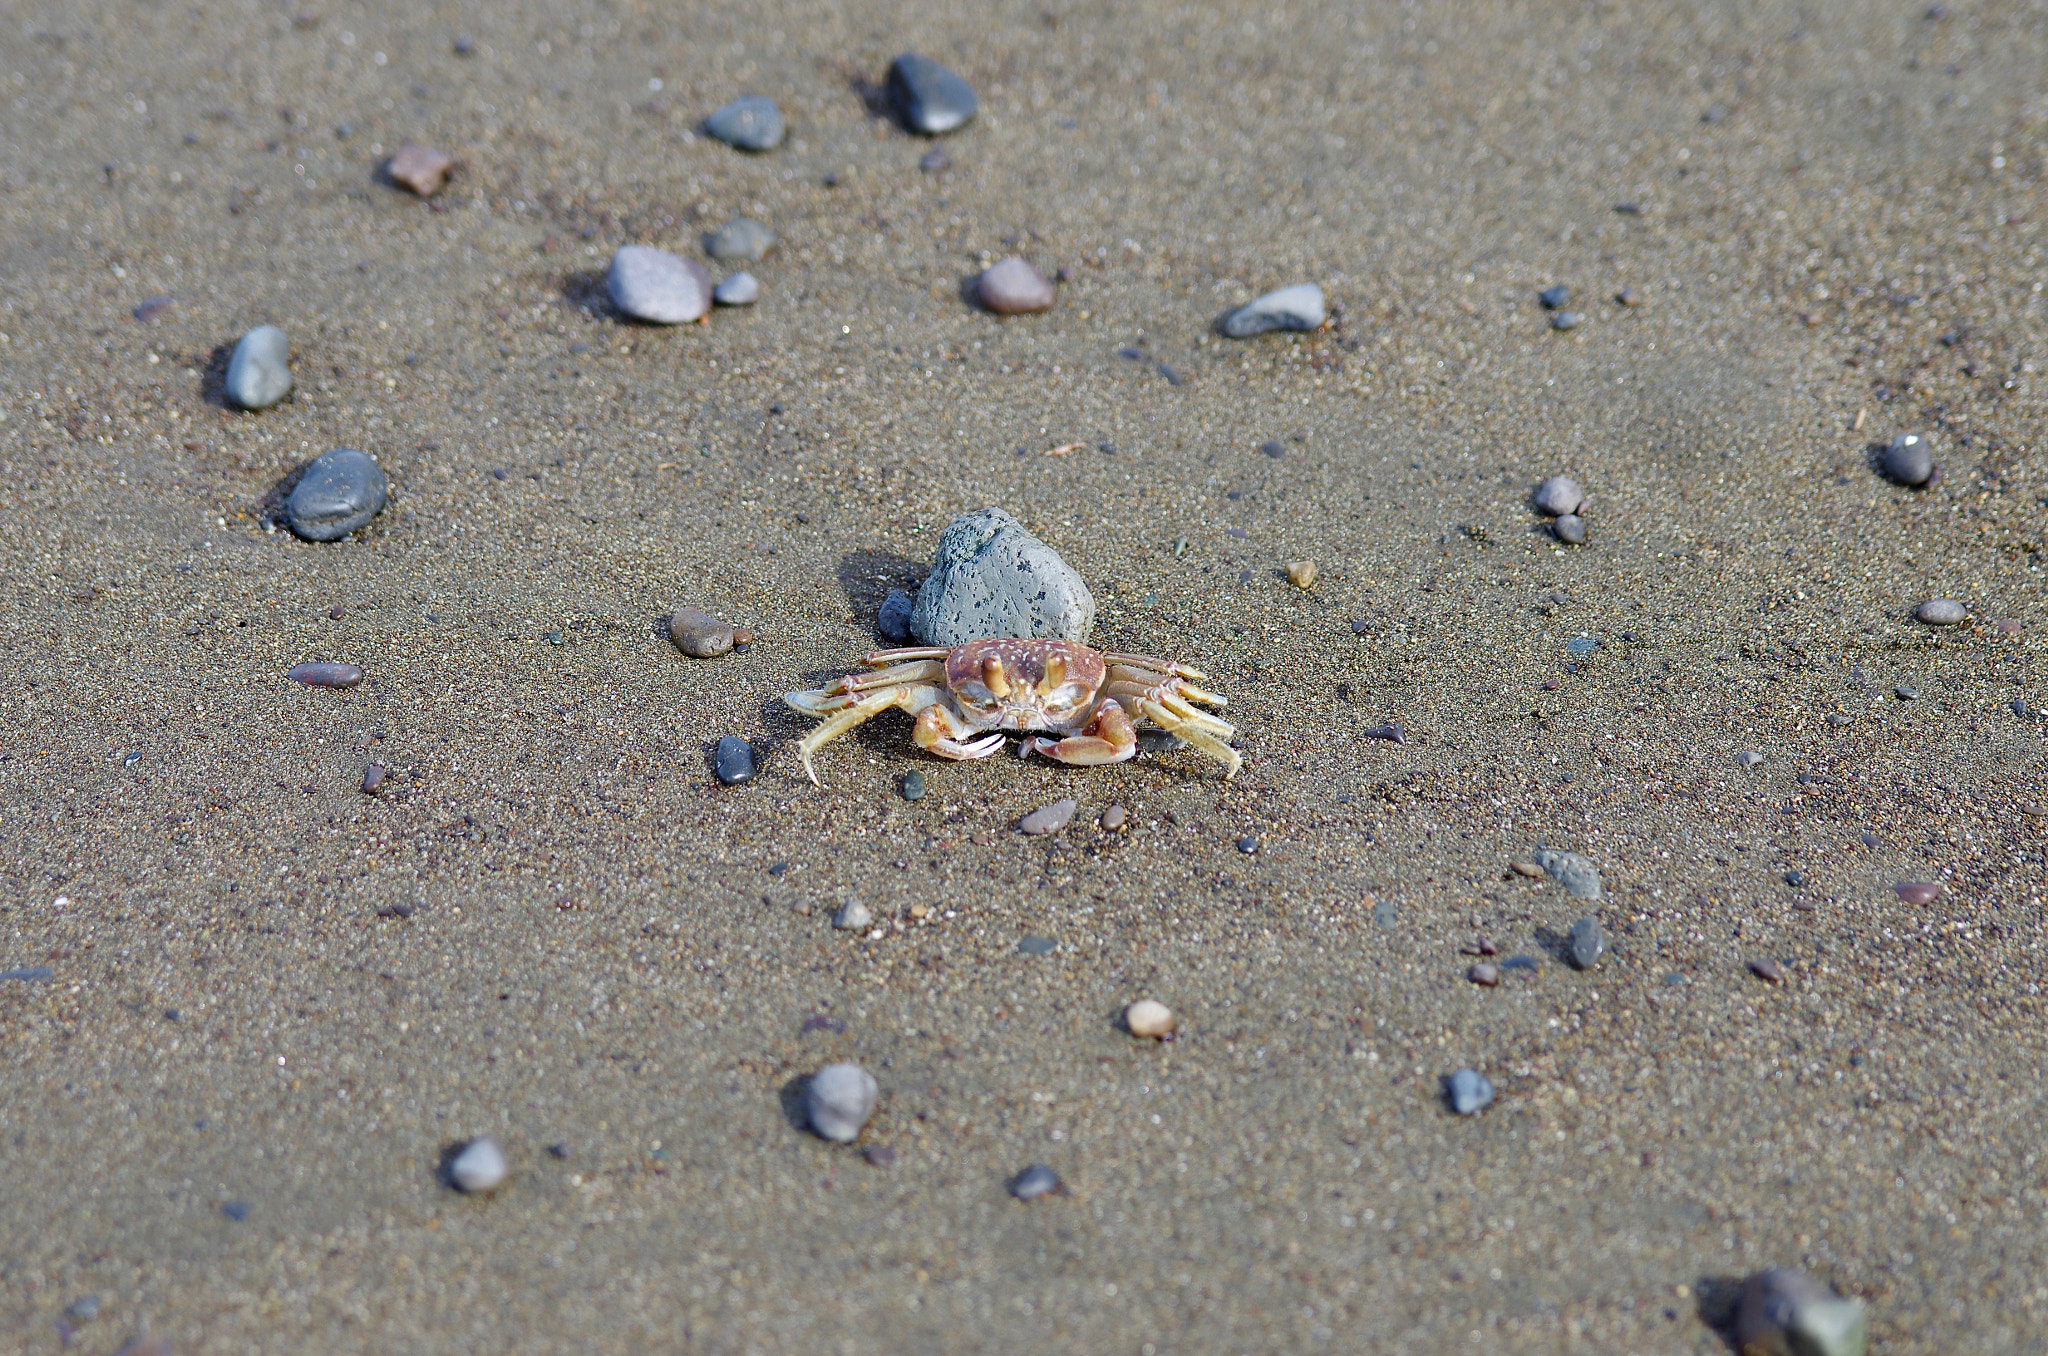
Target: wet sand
{"x":553,"y":926}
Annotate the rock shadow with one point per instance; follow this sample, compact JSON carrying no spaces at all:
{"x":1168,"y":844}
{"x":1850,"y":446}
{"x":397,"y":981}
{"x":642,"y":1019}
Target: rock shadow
{"x":874,"y":99}
{"x":791,"y":1095}
{"x":1555,"y":945}
{"x":1716,"y":1300}
{"x":270,"y":508}
{"x":213,"y":378}
{"x":444,"y":1170}
{"x":585,"y":290}
{"x":867,"y":576}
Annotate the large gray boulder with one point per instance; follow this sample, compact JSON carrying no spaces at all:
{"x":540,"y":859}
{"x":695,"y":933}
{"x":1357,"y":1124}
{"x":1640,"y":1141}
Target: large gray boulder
{"x":991,"y":578}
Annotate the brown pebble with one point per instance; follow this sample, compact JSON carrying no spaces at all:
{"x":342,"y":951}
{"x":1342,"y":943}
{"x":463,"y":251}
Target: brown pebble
{"x":337,"y":612}
{"x":700,"y":635}
{"x":1485,"y":973}
{"x":325,"y":674}
{"x":1301,"y":573}
{"x":1529,"y":869}
{"x":879,"y":1156}
{"x":373,"y":777}
{"x":1763,"y":967}
{"x":742,"y":637}
{"x":1013,"y":287}
{"x":1113,"y":818}
{"x":1918,"y":891}
{"x":1628,"y":296}
{"x":422,"y":169}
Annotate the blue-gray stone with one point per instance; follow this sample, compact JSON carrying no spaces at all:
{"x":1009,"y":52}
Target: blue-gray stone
{"x":751,"y":122}
{"x":260,"y":370}
{"x":1554,"y":296}
{"x":338,"y":493}
{"x":840,"y":1100}
{"x":991,"y":578}
{"x":1037,"y":946}
{"x":1582,"y":645}
{"x":1570,"y":529}
{"x":740,"y":238}
{"x":913,"y":786}
{"x":741,"y":289}
{"x":1909,"y":460}
{"x":1579,"y":877}
{"x":734,"y":761}
{"x":1588,"y":942}
{"x":1565,"y":320}
{"x":1291,"y":308}
{"x":893,"y":622}
{"x":1470,"y":1092}
{"x":1035,"y":1181}
{"x":1559,"y":495}
{"x":928,"y":97}
{"x":656,"y":286}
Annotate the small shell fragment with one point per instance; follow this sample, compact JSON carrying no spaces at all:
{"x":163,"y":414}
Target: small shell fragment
{"x":1149,"y":1018}
{"x":1301,"y":573}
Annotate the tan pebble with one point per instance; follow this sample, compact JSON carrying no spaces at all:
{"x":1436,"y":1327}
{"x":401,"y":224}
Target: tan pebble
{"x":1149,"y":1018}
{"x":918,"y":911}
{"x":1484,"y":973}
{"x":1765,"y":968}
{"x":420,"y":168}
{"x":1529,"y":869}
{"x":1113,"y":818}
{"x":1301,"y":573}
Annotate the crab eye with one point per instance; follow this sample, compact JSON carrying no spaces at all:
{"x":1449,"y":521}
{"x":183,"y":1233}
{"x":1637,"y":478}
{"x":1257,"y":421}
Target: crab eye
{"x":975,"y":695}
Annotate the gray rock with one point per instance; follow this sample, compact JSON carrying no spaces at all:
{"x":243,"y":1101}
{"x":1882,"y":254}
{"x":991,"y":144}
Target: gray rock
{"x":1554,"y":296}
{"x":338,"y":493}
{"x":852,"y":916}
{"x":1579,"y":877}
{"x":480,"y":1167}
{"x":1049,"y":818}
{"x":913,"y":786}
{"x":893,"y":622}
{"x":1570,"y":529}
{"x":84,"y":1309}
{"x":733,"y":760}
{"x":325,"y":673}
{"x":991,"y":578}
{"x":656,"y":286}
{"x":1559,"y":496}
{"x":1470,"y":1092}
{"x":1588,"y":942}
{"x":1940,"y":612}
{"x":751,"y":122}
{"x":1037,"y":946}
{"x":928,"y":97}
{"x":1035,"y":1181}
{"x":1114,"y":818}
{"x":741,"y":238}
{"x":698,"y":634}
{"x":1299,"y":307}
{"x":1013,"y":287}
{"x":839,"y":1101}
{"x":1909,"y":460}
{"x":260,"y":370}
{"x":741,"y":289}
{"x":1748,"y":758}
{"x":1786,"y":1312}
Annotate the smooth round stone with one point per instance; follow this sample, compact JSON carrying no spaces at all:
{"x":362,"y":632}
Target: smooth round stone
{"x":325,"y":674}
{"x":892,"y":623}
{"x":928,"y":97}
{"x":700,"y":635}
{"x":913,"y":786}
{"x":1909,"y":460}
{"x":852,"y":916}
{"x":1013,"y":287}
{"x":338,"y":493}
{"x":742,"y":238}
{"x":1906,"y":692}
{"x":1588,"y":942}
{"x":1035,"y":1181}
{"x":373,"y":777}
{"x":1485,"y":974}
{"x":839,"y":1101}
{"x":1795,"y":877}
{"x":1248,"y":845}
{"x":733,"y":761}
{"x":1940,"y":612}
{"x":1559,"y":496}
{"x":1114,"y":818}
{"x":1049,"y":818}
{"x":260,"y":370}
{"x":1470,"y":1092}
{"x":741,"y":289}
{"x":480,"y":1167}
{"x":1554,"y":296}
{"x":1299,"y":307}
{"x":1149,"y":1018}
{"x":751,"y":122}
{"x":656,"y":286}
{"x":991,"y":578}
{"x":1918,"y":891}
{"x":1570,"y":529}
{"x":1566,"y":320}
{"x":1785,"y":1312}
{"x":1748,"y":758}
{"x":1768,"y":970}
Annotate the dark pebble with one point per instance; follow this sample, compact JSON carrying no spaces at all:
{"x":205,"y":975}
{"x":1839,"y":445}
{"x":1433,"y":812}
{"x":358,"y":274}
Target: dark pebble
{"x":338,"y":492}
{"x":879,"y":1156}
{"x":1273,"y":449}
{"x":893,"y":622}
{"x":751,"y":122}
{"x":1393,"y":730}
{"x":463,"y":46}
{"x":325,"y":674}
{"x":1767,"y":969}
{"x":1918,"y":891}
{"x":236,"y":1210}
{"x":928,"y":97}
{"x":698,"y":634}
{"x":151,"y":309}
{"x":1554,"y":296}
{"x":373,"y":777}
{"x":1588,"y":942}
{"x":913,"y":786}
{"x":734,"y":760}
{"x":1795,"y":878}
{"x":1035,"y":1181}
{"x":1037,"y":946}
{"x":1909,"y":460}
{"x":1248,"y":845}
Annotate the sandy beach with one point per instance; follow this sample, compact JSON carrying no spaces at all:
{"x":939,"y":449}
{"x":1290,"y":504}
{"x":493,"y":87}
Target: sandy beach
{"x":253,"y":1006}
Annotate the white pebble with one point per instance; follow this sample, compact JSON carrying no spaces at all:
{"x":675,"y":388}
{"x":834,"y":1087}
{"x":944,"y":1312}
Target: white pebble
{"x":839,"y":1101}
{"x":480,"y":1167}
{"x":853,"y":916}
{"x":656,"y":286}
{"x":1149,"y":1017}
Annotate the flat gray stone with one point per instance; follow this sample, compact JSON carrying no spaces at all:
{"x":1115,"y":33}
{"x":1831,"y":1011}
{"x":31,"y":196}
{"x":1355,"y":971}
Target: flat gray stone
{"x":1909,"y":460}
{"x":741,"y":289}
{"x":1558,"y":496}
{"x":1470,"y":1092}
{"x":991,"y":578}
{"x":839,"y":1101}
{"x":260,"y":369}
{"x":1013,"y":287}
{"x":1035,"y":1181}
{"x":742,"y":238}
{"x":928,"y":97}
{"x":1786,"y":1312}
{"x":733,"y":760}
{"x":1588,"y":942}
{"x":656,"y":286}
{"x":1940,"y":612}
{"x":751,"y":122}
{"x":1299,"y":307}
{"x":1579,"y":877}
{"x":338,"y":493}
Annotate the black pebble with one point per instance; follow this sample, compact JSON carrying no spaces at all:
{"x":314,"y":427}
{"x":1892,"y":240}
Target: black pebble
{"x":1247,"y":845}
{"x":1554,"y":296}
{"x":734,"y":761}
{"x":236,"y":1210}
{"x":1273,"y":449}
{"x":1795,"y":878}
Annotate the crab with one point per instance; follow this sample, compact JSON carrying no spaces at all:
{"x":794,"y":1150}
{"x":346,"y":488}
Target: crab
{"x":1092,"y":701}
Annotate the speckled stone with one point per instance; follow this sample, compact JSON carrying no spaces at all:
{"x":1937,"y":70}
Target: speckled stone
{"x":1786,"y":1312}
{"x":839,"y":1101}
{"x":1559,"y":495}
{"x":751,"y":122}
{"x":742,"y":238}
{"x":928,"y":97}
{"x":991,"y":578}
{"x":656,"y":286}
{"x":479,"y":1168}
{"x":1940,"y":612}
{"x":339,"y":492}
{"x":700,"y":635}
{"x":1909,"y":460}
{"x":260,"y":369}
{"x":1470,"y":1092}
{"x":1299,"y":307}
{"x":1579,"y":877}
{"x":1013,"y":287}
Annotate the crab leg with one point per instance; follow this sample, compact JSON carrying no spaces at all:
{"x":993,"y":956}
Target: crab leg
{"x":1152,"y":682}
{"x":1198,"y":735}
{"x":940,"y":732}
{"x":1135,"y":697}
{"x":1109,"y":738}
{"x":881,"y":657}
{"x":921,"y":671}
{"x":838,"y":723}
